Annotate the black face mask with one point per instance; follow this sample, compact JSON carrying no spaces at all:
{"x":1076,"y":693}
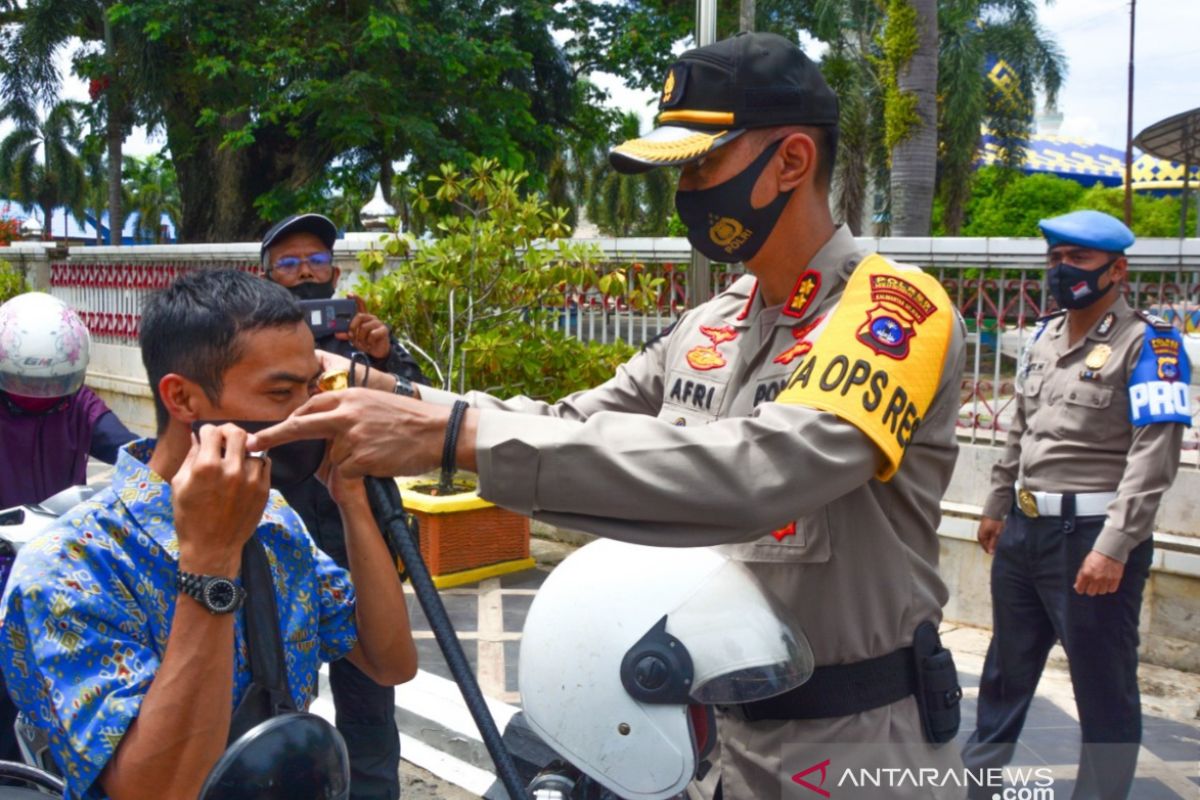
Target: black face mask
{"x":1074,"y":287}
{"x":721,"y":222}
{"x":312,"y":291}
{"x":291,"y":463}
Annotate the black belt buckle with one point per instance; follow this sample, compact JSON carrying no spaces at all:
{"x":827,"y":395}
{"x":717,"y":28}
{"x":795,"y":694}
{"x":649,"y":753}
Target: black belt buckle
{"x":938,"y":690}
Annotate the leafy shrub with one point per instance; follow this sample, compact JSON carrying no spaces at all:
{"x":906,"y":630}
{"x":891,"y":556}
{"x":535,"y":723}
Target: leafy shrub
{"x":479,"y":296}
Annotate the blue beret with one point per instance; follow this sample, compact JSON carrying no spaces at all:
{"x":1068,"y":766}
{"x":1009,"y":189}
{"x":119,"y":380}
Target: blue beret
{"x":1093,"y":229}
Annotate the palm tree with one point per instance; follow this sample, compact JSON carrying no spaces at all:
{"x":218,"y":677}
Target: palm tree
{"x":154,"y":194}
{"x":913,"y":134}
{"x":39,"y":159}
{"x":30,"y":72}
{"x":626,"y":205}
{"x":1001,"y":40}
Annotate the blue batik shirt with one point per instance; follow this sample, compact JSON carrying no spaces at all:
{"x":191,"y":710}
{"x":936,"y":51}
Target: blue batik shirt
{"x":89,"y":606}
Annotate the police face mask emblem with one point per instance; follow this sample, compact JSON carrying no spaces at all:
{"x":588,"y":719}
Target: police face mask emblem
{"x":1074,"y":287}
{"x":721,"y":222}
{"x":291,"y":463}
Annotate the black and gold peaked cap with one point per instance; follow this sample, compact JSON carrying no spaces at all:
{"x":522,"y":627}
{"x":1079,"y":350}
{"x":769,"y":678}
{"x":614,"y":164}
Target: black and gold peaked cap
{"x":714,"y":94}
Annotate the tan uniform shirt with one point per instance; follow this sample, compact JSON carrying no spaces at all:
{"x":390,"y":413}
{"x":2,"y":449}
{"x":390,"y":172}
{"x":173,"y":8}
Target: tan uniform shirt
{"x":676,"y":450}
{"x":1072,"y":430}
{"x":685,"y":447}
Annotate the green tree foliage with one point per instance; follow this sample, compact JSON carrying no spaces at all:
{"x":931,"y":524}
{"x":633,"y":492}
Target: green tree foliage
{"x":12,"y":281}
{"x":153,"y":194}
{"x":110,"y":59}
{"x":1003,"y":203}
{"x":258,"y":100}
{"x":39,"y":159}
{"x":479,"y":301}
{"x":629,"y":205}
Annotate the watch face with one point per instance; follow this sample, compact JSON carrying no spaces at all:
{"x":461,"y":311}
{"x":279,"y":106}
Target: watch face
{"x":220,"y":595}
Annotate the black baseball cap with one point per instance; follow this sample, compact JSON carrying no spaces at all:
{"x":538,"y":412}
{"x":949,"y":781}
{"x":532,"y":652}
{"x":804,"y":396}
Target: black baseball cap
{"x":317,"y":224}
{"x":714,"y":94}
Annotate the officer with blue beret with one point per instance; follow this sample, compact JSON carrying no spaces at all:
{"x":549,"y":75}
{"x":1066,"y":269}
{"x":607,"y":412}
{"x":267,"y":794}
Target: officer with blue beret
{"x":1102,"y":403}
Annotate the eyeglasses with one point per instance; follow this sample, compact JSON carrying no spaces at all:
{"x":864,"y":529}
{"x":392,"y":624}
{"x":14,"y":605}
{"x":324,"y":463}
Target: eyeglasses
{"x":317,"y":262}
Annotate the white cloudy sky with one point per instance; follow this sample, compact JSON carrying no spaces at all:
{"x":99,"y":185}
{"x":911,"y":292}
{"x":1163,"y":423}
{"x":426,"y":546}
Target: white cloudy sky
{"x":1094,"y":35}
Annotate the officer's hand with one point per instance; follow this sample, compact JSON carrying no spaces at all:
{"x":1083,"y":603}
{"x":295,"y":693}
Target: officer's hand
{"x":218,"y":496}
{"x":1099,"y":574}
{"x":344,"y":491}
{"x":988,"y":533}
{"x":374,"y":433}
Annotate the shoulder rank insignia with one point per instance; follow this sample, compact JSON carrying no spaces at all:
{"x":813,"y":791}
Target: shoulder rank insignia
{"x":1106,"y":324}
{"x":1158,"y":322}
{"x":1098,"y":357}
{"x":803,"y":294}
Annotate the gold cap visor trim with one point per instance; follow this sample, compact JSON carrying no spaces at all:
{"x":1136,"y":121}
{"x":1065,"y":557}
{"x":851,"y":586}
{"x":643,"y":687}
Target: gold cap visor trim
{"x":666,"y":146}
{"x":697,"y":117}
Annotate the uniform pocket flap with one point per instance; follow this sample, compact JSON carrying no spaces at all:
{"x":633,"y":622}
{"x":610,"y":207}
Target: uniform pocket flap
{"x":1088,"y":395}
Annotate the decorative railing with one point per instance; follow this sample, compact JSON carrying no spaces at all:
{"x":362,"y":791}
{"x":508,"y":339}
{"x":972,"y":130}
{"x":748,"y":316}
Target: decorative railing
{"x":998,"y":285}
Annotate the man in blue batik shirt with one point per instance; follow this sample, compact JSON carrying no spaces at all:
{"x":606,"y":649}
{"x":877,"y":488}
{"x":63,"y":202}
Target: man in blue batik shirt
{"x":107,"y":644}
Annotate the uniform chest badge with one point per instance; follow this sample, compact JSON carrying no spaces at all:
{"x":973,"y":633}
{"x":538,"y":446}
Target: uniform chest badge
{"x":709,"y":357}
{"x":705,"y":358}
{"x":720,"y":335}
{"x":1098,"y":357}
{"x":785,"y":531}
{"x":802,"y":345}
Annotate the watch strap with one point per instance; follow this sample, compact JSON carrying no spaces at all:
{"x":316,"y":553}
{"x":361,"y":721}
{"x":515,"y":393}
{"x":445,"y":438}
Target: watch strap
{"x":403,"y":387}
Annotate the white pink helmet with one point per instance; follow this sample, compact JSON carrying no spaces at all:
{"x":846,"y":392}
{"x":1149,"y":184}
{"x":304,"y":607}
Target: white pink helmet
{"x":44,"y":347}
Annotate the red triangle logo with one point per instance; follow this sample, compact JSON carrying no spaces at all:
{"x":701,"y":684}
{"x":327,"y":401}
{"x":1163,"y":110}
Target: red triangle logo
{"x":821,"y":767}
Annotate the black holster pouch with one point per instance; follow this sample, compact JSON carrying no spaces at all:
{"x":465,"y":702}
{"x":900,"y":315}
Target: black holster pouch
{"x":938,"y":691}
{"x":268,"y":695}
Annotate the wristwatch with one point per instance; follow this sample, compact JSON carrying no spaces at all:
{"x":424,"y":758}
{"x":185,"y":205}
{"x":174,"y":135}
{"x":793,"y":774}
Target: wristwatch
{"x":218,"y":595}
{"x":403,"y":387}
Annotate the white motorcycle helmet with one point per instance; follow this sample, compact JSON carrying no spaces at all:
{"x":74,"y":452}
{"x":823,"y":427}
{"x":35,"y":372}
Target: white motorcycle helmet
{"x":44,"y":347}
{"x":626,"y":648}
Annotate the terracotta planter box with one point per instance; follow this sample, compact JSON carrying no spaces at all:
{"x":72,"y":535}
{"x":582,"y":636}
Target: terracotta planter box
{"x":464,"y":538}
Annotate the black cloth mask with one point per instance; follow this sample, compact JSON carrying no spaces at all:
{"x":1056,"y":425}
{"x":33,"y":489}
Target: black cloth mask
{"x":291,"y":463}
{"x":721,"y":222}
{"x":1074,"y":287}
{"x":312,"y":291}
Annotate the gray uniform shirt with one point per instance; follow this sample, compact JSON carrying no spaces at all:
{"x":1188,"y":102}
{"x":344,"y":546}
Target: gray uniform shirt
{"x":681,"y":450}
{"x":1072,"y":430}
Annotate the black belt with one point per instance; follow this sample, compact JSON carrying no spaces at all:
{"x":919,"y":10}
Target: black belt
{"x":839,"y":690}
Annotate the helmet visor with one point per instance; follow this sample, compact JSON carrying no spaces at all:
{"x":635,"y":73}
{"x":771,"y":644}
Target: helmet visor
{"x":743,"y":644}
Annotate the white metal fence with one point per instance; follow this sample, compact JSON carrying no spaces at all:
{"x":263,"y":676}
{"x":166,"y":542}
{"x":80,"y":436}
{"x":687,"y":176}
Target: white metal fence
{"x":997,"y":284}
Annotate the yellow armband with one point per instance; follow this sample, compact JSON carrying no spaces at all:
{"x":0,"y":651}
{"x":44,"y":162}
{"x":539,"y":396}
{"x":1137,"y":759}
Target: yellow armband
{"x":877,"y":361}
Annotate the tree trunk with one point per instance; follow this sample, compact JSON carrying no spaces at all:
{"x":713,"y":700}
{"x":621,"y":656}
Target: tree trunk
{"x":914,"y":159}
{"x":115,"y":140}
{"x":746,"y":15}
{"x":218,"y":185}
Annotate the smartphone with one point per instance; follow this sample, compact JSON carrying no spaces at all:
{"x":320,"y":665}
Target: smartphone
{"x":329,"y":316}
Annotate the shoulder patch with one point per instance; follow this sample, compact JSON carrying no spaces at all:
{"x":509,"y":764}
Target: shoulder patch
{"x":1158,"y":387}
{"x":877,"y":361}
{"x":1156,"y":321}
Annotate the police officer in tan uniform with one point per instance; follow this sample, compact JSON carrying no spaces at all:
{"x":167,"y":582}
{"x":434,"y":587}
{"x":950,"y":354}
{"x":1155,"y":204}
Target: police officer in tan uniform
{"x":1101,"y":408}
{"x":803,"y":419}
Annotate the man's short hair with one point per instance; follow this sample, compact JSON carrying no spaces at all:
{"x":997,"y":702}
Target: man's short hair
{"x":191,"y":328}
